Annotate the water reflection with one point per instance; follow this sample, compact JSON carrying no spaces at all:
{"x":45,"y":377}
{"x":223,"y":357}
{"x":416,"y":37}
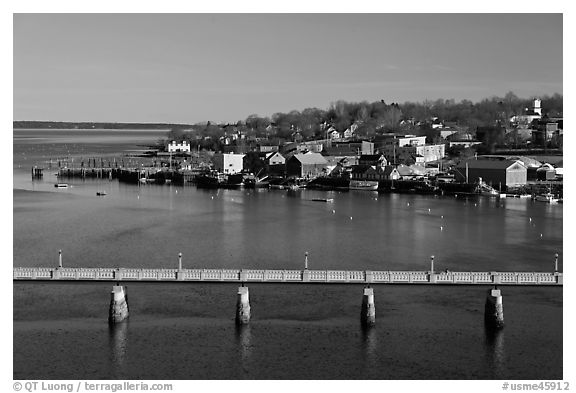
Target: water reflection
{"x":369,"y":343}
{"x":244,"y":341}
{"x":495,"y":351}
{"x":118,"y":341}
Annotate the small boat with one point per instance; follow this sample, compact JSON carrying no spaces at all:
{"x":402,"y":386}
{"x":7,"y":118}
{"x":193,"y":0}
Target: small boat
{"x":323,"y":199}
{"x":548,"y":198}
{"x":100,"y":193}
{"x":61,"y":185}
{"x":368,"y":185}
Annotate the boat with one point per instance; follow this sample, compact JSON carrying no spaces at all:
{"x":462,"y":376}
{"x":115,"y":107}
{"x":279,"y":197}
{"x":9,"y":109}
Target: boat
{"x":233,"y":180}
{"x":367,"y":185}
{"x":323,"y":199}
{"x":547,"y":197}
{"x":61,"y":185}
{"x":208,"y":180}
{"x":255,"y":182}
{"x":100,"y":193}
{"x":330,"y":183}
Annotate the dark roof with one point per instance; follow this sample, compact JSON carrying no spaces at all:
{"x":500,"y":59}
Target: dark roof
{"x":461,"y":136}
{"x":361,"y":168}
{"x":487,"y":164}
{"x":388,"y":169}
{"x":371,"y":157}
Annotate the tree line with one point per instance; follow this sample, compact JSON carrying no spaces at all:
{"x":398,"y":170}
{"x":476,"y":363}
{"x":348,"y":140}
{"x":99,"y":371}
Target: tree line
{"x":371,"y":119}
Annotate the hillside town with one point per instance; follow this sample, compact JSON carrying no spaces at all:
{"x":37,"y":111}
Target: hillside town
{"x":526,"y":155}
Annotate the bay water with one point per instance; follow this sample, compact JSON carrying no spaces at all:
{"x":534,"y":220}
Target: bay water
{"x":297,"y":331}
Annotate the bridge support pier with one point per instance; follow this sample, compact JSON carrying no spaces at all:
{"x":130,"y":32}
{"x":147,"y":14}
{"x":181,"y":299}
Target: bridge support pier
{"x":242,"y":306}
{"x":118,"y":305}
{"x":493,"y":310}
{"x":368,"y":311}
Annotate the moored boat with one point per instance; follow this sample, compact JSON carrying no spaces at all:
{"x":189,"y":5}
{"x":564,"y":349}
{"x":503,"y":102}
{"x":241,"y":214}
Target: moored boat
{"x":367,"y":185}
{"x":547,"y":197}
{"x":61,"y":185}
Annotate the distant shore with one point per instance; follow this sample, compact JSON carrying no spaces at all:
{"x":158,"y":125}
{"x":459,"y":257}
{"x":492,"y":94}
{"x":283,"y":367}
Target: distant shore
{"x":34,"y":124}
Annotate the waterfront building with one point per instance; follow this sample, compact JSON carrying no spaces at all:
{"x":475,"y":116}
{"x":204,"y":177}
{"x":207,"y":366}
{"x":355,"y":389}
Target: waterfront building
{"x":276,"y":163}
{"x":411,"y":172}
{"x":306,"y":165}
{"x":498,"y":173}
{"x":228,"y":162}
{"x":546,"y":172}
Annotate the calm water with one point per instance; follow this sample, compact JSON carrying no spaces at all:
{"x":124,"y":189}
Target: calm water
{"x":186,"y":331}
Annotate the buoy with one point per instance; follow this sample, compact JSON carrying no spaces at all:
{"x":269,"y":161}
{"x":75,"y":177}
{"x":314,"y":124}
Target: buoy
{"x":428,"y":210}
{"x":441,"y":228}
{"x":540,"y":235}
{"x":408,"y":204}
{"x":212,"y":197}
{"x":350,"y":217}
{"x":138,"y":196}
{"x":333,"y":211}
{"x":441,"y":216}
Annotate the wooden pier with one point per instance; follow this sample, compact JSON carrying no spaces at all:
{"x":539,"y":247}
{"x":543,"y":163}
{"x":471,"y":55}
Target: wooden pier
{"x":367,"y":277}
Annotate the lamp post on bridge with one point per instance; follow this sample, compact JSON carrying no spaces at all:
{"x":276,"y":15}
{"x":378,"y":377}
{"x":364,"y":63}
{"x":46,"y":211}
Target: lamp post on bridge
{"x":179,"y":261}
{"x":432,"y":264}
{"x":556,"y":263}
{"x":59,"y":258}
{"x":306,"y":260}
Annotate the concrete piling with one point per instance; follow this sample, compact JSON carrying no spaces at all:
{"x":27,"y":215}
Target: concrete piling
{"x":368,"y":312}
{"x":493,"y":310}
{"x":242,"y":306}
{"x":118,"y":305}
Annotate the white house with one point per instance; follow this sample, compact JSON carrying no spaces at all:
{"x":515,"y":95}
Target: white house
{"x":349,"y":133}
{"x":228,"y":162}
{"x":275,"y":158}
{"x":174,"y":147}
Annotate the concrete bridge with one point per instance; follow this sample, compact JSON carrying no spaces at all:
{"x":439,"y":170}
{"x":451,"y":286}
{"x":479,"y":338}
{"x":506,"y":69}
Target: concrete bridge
{"x":288,"y":276}
{"x":493,"y":314}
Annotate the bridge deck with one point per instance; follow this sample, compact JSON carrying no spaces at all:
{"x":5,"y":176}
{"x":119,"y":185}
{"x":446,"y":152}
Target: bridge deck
{"x":287,"y":276}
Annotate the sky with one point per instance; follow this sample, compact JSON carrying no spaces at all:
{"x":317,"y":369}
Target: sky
{"x":188,"y":68}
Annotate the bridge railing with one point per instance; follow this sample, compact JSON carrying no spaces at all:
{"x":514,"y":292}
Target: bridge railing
{"x":313,"y":276}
